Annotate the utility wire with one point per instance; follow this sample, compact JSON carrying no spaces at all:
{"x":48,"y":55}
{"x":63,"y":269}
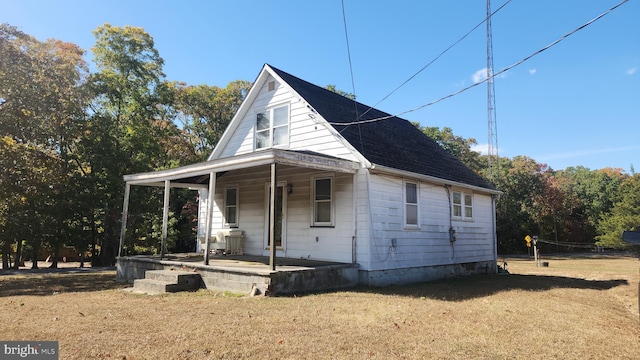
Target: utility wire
{"x":567,"y":244}
{"x":353,"y":84}
{"x":492,"y":75}
{"x":346,"y":36}
{"x":434,"y":59}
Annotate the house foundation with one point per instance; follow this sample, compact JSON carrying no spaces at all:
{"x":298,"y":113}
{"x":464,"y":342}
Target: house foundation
{"x":423,"y":273}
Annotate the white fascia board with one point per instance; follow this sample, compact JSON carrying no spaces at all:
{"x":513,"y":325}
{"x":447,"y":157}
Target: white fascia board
{"x":316,"y":162}
{"x":203,"y":168}
{"x":189,"y":186}
{"x":267,"y":157}
{"x":431,"y":179}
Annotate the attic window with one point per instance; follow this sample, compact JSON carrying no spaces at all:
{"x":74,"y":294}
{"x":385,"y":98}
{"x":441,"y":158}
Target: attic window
{"x":272,"y":127}
{"x":271,"y":86}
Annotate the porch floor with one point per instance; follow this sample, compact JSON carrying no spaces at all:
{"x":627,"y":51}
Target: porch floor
{"x":248,"y":262}
{"x":245,"y":273}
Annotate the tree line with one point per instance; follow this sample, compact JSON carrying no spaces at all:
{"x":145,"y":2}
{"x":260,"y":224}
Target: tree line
{"x":68,"y":134}
{"x":575,"y":209}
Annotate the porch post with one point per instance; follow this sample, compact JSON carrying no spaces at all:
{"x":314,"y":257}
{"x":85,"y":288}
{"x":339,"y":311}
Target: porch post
{"x":272,"y":216}
{"x":209,"y":212}
{"x":165,"y":218}
{"x":125,"y":213}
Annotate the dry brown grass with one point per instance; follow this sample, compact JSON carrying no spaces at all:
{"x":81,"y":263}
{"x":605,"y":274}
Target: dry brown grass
{"x":577,"y":308}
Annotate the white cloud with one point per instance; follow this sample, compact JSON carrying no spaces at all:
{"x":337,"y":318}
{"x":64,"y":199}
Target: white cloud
{"x":533,"y":71}
{"x":483,"y":149}
{"x":632,"y":71}
{"x":479,"y":75}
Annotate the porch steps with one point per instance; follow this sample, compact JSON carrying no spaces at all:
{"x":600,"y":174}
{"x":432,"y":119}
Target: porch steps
{"x":167,"y":281}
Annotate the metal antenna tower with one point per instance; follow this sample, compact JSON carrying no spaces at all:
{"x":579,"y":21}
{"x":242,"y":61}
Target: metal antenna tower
{"x":492,"y":147}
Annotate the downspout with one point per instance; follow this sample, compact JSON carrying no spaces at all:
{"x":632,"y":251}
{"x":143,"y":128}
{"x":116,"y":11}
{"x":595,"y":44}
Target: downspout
{"x":452,"y":231}
{"x":494,"y":235}
{"x":354,"y":259}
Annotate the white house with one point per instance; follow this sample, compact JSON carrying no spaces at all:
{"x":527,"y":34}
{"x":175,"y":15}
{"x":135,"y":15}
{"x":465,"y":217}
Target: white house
{"x":353,"y":185}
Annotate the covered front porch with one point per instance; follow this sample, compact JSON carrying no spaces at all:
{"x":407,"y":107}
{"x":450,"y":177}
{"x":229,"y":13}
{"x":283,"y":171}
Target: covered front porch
{"x":272,"y":190}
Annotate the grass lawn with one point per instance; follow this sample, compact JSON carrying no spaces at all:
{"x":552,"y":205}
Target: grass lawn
{"x":577,"y":308}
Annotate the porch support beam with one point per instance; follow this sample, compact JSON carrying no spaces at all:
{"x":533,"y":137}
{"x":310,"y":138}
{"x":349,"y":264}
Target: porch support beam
{"x":125,"y":213}
{"x":272,"y":216}
{"x":208,"y":221}
{"x":165,"y":218}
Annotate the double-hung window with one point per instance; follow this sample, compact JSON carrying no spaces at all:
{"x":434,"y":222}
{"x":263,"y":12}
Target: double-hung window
{"x":410,"y":204}
{"x":322,"y":201}
{"x":462,"y":205}
{"x":272,"y":127}
{"x":231,"y":206}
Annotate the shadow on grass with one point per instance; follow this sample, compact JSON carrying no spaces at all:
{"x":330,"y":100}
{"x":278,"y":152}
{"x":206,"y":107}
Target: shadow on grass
{"x":460,"y":289}
{"x":51,"y":283}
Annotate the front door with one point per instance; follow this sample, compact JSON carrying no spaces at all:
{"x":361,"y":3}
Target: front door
{"x":280,"y":217}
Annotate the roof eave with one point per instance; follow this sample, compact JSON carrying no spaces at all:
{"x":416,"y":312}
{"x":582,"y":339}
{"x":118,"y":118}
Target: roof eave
{"x":432,"y":179}
{"x":278,"y":156}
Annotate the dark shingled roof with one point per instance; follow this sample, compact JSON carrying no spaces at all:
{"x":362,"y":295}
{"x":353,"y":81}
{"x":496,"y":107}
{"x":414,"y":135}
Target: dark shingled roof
{"x":393,"y":142}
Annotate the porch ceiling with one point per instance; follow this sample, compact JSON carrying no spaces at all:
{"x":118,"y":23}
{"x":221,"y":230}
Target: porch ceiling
{"x":197,"y":175}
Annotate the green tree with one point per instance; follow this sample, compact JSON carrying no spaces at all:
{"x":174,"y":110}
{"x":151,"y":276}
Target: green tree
{"x":126,"y":130}
{"x":522,"y":182}
{"x":589,"y":195}
{"x":204,"y":113}
{"x":624,"y":215}
{"x":456,"y":145}
{"x":42,"y":102}
{"x":340,"y":92}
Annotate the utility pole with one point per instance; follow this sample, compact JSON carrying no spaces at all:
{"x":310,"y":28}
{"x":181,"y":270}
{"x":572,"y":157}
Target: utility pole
{"x":492,"y":147}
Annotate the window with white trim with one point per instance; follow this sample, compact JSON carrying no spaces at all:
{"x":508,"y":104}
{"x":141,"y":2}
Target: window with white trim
{"x":462,"y":205}
{"x":272,"y":127}
{"x":322,"y":201}
{"x":410,"y":204}
{"x":231,"y":206}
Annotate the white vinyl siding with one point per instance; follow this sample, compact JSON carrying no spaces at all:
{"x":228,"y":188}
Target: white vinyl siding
{"x":429,"y":244}
{"x":327,"y":243}
{"x":307,"y":129}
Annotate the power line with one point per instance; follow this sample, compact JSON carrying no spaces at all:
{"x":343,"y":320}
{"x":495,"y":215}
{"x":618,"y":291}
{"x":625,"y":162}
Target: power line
{"x":353,"y":84}
{"x":346,"y":36}
{"x":491,"y":76}
{"x":436,"y":58}
{"x":567,"y":244}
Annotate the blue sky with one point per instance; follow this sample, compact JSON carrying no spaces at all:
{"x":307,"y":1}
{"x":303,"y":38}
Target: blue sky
{"x":575,"y":104}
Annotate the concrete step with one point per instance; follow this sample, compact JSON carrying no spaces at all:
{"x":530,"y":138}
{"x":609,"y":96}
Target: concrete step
{"x":164,"y":281}
{"x":186,"y":279}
